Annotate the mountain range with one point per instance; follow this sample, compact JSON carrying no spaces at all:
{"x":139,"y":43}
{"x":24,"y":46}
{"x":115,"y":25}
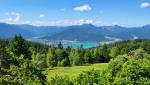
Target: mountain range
{"x":85,"y":32}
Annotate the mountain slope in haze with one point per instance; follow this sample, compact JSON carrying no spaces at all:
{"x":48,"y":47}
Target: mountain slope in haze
{"x":119,"y":32}
{"x":92,"y":33}
{"x":8,"y":30}
{"x":132,"y":32}
{"x":86,"y":32}
{"x":41,"y":31}
{"x":28,"y":31}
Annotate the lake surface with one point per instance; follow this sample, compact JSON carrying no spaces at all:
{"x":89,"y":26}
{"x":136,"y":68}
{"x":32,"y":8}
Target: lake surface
{"x":78,"y":45}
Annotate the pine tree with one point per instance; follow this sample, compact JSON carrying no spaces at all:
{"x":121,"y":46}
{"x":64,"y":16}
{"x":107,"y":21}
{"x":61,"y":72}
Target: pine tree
{"x":4,"y":59}
{"x":18,"y":47}
{"x":60,"y":45}
{"x":51,"y":58}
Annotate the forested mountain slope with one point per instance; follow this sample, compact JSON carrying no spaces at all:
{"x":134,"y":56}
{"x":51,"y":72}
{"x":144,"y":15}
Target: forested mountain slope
{"x":86,"y":32}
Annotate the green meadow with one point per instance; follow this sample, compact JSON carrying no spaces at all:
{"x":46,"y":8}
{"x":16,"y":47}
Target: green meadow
{"x":74,"y":71}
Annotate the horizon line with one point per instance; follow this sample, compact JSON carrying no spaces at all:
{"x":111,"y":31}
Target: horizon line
{"x":73,"y":25}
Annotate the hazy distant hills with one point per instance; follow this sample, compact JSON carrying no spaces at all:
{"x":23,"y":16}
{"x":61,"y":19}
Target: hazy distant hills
{"x":86,"y":32}
{"x":28,"y":31}
{"x":80,"y":33}
{"x":92,"y":33}
{"x":7,"y":31}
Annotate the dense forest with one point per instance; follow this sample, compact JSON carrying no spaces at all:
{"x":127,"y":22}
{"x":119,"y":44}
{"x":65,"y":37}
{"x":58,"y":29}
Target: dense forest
{"x":26,"y":63}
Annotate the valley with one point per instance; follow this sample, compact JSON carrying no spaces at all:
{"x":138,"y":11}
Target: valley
{"x":87,"y":35}
{"x":79,"y":33}
{"x":74,"y":42}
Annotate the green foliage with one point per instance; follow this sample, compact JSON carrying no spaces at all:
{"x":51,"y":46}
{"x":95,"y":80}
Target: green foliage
{"x":26,"y":75}
{"x":74,"y":57}
{"x":91,"y":77}
{"x":39,"y":60}
{"x":4,"y":57}
{"x":60,"y":80}
{"x":134,"y":72}
{"x":18,"y":47}
{"x":16,"y":67}
{"x":60,"y":46}
{"x":51,"y":58}
{"x":24,"y":62}
{"x":104,"y":53}
{"x":76,"y":73}
{"x":131,"y":69}
{"x":113,"y":52}
{"x":125,"y":47}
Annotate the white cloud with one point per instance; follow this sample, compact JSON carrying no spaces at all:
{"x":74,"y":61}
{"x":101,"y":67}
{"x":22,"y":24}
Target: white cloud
{"x":17,"y":18}
{"x":64,"y":22}
{"x":42,"y":16}
{"x":83,"y":8}
{"x":85,"y":21}
{"x":144,"y":5}
{"x":14,"y":18}
{"x":88,"y":21}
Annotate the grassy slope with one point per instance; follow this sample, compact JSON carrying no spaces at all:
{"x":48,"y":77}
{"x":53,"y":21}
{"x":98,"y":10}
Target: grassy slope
{"x":74,"y":70}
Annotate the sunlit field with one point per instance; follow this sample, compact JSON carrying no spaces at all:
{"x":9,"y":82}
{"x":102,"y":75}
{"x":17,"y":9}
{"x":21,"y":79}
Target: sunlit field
{"x":74,"y":71}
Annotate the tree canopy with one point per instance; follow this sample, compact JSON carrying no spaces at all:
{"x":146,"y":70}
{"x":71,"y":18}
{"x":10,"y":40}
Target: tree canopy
{"x":26,"y":62}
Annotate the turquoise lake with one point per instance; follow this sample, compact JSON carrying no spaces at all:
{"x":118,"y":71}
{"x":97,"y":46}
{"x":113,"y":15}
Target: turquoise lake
{"x":78,"y":45}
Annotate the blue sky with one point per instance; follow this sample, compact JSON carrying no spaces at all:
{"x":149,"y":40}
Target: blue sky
{"x":72,"y":12}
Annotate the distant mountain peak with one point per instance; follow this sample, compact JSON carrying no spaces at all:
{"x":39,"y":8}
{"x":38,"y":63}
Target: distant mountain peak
{"x":88,"y":26}
{"x":117,"y":26}
{"x":146,"y":26}
{"x":85,"y":32}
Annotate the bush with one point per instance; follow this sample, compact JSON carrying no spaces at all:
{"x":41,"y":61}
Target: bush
{"x":92,"y":77}
{"x":131,"y":69}
{"x":59,"y":80}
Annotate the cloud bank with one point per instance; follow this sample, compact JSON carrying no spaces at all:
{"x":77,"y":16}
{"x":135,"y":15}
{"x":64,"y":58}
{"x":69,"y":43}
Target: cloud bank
{"x":144,"y":5}
{"x":83,"y":8}
{"x":42,"y":16}
{"x":13,"y":18}
{"x":64,"y":22}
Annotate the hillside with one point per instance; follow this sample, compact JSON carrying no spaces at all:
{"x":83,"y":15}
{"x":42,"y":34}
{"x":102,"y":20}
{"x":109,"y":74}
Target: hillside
{"x":85,"y":32}
{"x":26,"y":62}
{"x":8,"y":30}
